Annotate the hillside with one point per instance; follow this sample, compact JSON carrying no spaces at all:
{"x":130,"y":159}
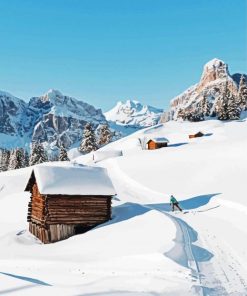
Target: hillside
{"x":145,"y":249}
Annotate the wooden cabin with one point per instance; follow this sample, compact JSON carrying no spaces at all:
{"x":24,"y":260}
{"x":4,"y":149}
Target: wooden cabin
{"x":197,"y":135}
{"x":66,"y":200}
{"x":156,"y":143}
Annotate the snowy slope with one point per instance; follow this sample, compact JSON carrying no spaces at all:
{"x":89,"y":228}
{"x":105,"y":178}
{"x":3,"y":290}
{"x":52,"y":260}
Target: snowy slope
{"x":145,"y":249}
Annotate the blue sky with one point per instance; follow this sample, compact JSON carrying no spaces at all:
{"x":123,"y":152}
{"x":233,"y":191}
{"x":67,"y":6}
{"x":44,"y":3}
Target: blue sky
{"x":102,"y":51}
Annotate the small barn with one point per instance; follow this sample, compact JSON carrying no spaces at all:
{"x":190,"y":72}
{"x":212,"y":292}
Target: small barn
{"x":67,"y":200}
{"x":196,"y":135}
{"x":156,"y":143}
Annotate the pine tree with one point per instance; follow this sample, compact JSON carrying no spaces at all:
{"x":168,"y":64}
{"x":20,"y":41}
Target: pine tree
{"x":222,"y":110}
{"x":4,"y":163}
{"x":17,"y":159}
{"x":229,"y":106}
{"x":12,"y":160}
{"x":2,"y":160}
{"x":105,"y":135}
{"x":233,"y":108}
{"x":242,"y":93}
{"x":181,"y":114}
{"x":88,"y":142}
{"x":63,"y":156}
{"x":205,"y":106}
{"x":38,"y":154}
{"x":20,"y":157}
{"x":26,"y":159}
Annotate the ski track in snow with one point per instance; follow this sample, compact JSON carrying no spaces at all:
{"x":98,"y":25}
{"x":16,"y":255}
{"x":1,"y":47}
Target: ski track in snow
{"x":204,"y":272}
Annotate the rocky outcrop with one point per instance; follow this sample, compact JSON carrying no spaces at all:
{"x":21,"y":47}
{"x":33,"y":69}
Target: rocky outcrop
{"x":214,"y":77}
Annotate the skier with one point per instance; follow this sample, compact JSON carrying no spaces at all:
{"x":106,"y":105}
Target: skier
{"x":174,"y":203}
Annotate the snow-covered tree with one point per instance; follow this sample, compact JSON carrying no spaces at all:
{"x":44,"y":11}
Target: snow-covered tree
{"x":222,"y":110}
{"x":181,"y":114}
{"x":242,"y":93}
{"x":205,"y":106}
{"x":38,"y":154}
{"x":233,"y":106}
{"x":4,"y":160}
{"x":88,"y":142}
{"x":26,"y":159}
{"x":17,"y":159}
{"x":228,"y":104}
{"x":105,"y":135}
{"x":12,"y":160}
{"x":63,"y":156}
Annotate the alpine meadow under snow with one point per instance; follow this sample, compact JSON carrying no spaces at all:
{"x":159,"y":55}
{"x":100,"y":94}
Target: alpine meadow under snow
{"x":145,"y":249}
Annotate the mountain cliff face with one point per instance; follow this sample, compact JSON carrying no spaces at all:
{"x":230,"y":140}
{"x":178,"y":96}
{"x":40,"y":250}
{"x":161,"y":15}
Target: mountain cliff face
{"x":51,"y":119}
{"x":214,"y":77}
{"x":62,"y":118}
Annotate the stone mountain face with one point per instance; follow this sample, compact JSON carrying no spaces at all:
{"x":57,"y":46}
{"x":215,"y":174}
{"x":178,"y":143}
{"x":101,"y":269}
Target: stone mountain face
{"x":15,"y":121}
{"x":214,"y":77}
{"x":62,"y":118}
{"x":51,"y":119}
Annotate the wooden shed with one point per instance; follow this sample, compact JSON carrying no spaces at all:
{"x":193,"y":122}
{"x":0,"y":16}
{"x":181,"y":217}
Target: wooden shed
{"x":196,"y":135}
{"x":66,"y":200}
{"x":156,"y":143}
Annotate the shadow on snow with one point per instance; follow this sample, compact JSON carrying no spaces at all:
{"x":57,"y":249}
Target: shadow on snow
{"x":27,"y":279}
{"x":130,"y":210}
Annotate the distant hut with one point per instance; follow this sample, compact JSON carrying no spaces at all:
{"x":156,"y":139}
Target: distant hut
{"x":156,"y":143}
{"x":66,"y":200}
{"x":197,"y":135}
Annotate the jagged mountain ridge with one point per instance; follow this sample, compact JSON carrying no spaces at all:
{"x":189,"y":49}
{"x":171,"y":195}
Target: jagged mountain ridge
{"x":51,"y":118}
{"x":133,"y":114}
{"x":215,"y":75}
{"x":54,"y":118}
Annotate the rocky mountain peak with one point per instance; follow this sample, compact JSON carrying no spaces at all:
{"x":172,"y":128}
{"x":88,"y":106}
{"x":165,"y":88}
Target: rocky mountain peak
{"x":133,"y":113}
{"x":214,"y":78}
{"x":51,"y":95}
{"x":212,"y":71}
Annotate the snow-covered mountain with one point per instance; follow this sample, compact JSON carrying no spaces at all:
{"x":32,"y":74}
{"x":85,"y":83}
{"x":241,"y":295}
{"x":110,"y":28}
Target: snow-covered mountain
{"x":16,"y":121}
{"x":215,"y":75}
{"x":132,"y":115}
{"x":50,"y":118}
{"x":62,"y":118}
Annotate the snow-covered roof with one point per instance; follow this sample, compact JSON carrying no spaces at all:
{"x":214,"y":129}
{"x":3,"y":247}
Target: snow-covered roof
{"x":159,"y":140}
{"x":73,"y":180}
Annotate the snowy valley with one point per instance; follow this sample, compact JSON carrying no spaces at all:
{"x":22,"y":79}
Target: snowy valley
{"x":145,"y":249}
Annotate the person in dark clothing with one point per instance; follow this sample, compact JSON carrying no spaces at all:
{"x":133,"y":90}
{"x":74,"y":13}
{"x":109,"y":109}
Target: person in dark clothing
{"x":174,"y":203}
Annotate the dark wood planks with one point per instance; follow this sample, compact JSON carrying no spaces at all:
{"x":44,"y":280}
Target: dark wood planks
{"x":55,"y":217}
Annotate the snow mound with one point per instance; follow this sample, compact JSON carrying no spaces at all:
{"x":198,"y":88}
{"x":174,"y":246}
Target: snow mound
{"x":102,"y":155}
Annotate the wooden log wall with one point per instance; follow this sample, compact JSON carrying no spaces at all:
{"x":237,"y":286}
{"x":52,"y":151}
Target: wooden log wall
{"x":83,"y":210}
{"x":54,"y":217}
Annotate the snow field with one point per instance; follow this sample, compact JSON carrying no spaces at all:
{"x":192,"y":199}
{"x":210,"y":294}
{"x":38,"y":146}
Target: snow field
{"x":145,"y":249}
